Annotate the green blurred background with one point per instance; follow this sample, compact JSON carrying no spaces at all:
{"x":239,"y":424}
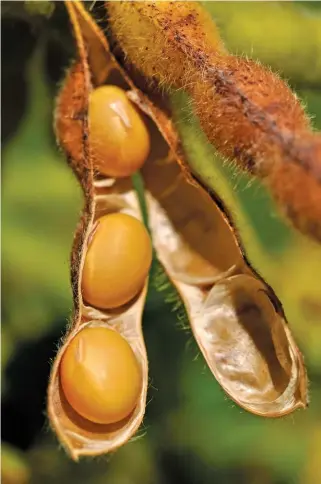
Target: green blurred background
{"x":192,"y":433}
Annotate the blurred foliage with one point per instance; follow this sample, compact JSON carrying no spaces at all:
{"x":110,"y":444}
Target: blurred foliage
{"x":283,"y":35}
{"x":192,"y":433}
{"x":39,"y":7}
{"x":14,"y":469}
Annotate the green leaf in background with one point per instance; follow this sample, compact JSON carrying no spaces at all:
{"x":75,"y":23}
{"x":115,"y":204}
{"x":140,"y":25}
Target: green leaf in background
{"x":41,"y":207}
{"x":14,"y":466}
{"x":40,"y":7}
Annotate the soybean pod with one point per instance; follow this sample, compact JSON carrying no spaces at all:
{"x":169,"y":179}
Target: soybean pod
{"x":98,"y":386}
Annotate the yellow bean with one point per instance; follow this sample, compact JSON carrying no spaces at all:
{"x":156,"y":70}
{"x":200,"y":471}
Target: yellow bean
{"x":117,"y":261}
{"x":119,"y":139}
{"x":100,"y":375}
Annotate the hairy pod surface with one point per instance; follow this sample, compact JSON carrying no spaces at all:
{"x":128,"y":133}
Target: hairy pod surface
{"x":248,"y":113}
{"x":236,"y":318}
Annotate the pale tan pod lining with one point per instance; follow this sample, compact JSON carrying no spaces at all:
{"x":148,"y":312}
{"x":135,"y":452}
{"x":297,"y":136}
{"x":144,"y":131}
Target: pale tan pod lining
{"x":260,"y":364}
{"x":191,"y":237}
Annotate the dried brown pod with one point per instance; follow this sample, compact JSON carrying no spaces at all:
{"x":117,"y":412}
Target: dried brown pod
{"x":103,"y":196}
{"x":235,"y":316}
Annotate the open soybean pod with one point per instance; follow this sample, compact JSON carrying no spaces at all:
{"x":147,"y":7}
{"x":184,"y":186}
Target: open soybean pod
{"x":98,"y":385}
{"x":236,"y":319}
